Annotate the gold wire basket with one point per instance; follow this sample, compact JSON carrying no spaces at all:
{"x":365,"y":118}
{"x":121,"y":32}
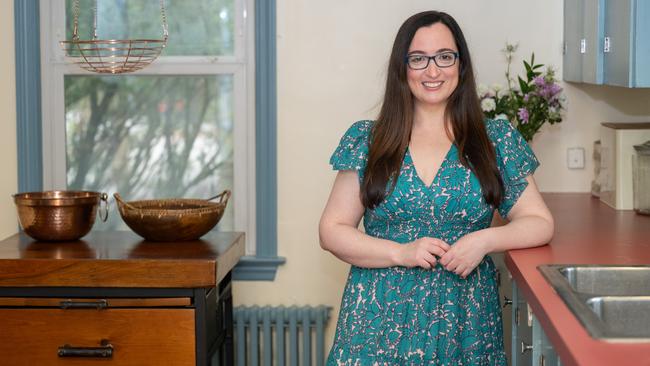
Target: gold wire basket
{"x":112,"y":56}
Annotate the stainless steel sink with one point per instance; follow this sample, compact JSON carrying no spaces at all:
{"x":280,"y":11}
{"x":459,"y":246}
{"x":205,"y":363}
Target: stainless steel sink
{"x":624,"y":315}
{"x":612,"y":302}
{"x":608,"y":280}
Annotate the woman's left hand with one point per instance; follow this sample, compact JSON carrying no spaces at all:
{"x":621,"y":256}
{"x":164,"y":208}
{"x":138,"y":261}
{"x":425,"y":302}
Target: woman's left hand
{"x":465,"y":254}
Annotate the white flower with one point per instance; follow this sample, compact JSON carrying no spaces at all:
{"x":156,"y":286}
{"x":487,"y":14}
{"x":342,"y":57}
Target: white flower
{"x":497,"y":87}
{"x":482,"y":90}
{"x":488,"y":104}
{"x":501,"y":116}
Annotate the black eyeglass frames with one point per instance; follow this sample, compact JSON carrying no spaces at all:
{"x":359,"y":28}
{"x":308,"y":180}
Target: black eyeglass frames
{"x":442,"y":60}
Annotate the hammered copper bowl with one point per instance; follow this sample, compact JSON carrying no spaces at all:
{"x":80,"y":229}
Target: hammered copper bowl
{"x":172,"y":219}
{"x":57,"y":215}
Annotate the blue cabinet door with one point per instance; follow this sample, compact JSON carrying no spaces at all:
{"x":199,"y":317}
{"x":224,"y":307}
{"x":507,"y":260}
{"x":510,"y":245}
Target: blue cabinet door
{"x":522,"y":331}
{"x":627,"y":43}
{"x":572,"y":58}
{"x":592,"y":45}
{"x":583,"y":34}
{"x":642,"y":44}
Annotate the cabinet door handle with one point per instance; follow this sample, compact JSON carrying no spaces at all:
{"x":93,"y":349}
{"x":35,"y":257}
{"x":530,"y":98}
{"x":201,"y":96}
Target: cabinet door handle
{"x":104,"y":351}
{"x":506,"y":301}
{"x":583,"y":45}
{"x":607,"y":45}
{"x":69,"y":304}
{"x":525,"y":347}
{"x":517,"y":315}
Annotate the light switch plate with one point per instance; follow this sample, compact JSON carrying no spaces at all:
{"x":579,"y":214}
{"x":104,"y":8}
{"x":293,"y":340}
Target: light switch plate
{"x":575,"y":158}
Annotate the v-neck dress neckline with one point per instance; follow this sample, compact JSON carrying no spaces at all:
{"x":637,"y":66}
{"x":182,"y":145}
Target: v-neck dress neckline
{"x":409,"y":160}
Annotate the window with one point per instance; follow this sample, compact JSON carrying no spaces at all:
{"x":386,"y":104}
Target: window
{"x":178,"y":128}
{"x":114,"y":133}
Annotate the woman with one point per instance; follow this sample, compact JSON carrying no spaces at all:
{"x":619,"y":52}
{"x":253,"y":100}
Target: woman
{"x":427,"y":177}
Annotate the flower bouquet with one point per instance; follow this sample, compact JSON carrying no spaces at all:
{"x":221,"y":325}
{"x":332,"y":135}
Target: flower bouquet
{"x":527,"y":103}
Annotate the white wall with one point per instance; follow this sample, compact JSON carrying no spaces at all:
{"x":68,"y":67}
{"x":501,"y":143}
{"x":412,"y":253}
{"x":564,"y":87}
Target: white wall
{"x":332,"y":57}
{"x":8,"y":165}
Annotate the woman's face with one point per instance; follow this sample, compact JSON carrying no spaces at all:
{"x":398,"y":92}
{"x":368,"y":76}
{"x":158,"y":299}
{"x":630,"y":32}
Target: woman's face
{"x":433,"y":85}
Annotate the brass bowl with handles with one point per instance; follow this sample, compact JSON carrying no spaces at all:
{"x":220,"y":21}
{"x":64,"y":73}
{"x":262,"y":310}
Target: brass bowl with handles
{"x":59,"y":215}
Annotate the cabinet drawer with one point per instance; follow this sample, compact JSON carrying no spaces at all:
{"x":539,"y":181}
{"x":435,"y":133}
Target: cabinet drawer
{"x":137,"y":336}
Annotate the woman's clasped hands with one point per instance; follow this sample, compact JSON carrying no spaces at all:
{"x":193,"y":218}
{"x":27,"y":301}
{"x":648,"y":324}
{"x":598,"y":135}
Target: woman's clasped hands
{"x":461,"y":258}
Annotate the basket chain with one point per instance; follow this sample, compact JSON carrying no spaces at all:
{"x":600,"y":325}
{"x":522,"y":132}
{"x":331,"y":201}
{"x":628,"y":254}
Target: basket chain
{"x":164,"y":19}
{"x":94,"y":22}
{"x":75,"y":11}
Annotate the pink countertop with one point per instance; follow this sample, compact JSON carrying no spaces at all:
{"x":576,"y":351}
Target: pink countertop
{"x":586,"y":232}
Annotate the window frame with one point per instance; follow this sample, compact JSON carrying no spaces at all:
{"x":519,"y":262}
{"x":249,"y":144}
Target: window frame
{"x":36,"y":139}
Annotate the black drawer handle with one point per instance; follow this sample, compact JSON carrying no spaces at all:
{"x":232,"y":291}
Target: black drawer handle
{"x":69,"y":304}
{"x":105,"y":351}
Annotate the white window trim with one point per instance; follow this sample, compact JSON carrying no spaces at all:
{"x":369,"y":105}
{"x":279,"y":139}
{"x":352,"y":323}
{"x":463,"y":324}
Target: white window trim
{"x":241,"y":66}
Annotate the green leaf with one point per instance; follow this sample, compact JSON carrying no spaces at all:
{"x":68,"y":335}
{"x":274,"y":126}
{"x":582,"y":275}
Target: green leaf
{"x":529,"y":70}
{"x":523,"y":85}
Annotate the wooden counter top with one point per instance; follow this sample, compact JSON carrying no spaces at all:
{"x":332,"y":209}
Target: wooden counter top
{"x":118,"y":259}
{"x":586,"y":232}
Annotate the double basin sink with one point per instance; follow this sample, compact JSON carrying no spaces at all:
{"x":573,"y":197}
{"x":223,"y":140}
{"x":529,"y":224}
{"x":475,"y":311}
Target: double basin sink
{"x":611,"y":302}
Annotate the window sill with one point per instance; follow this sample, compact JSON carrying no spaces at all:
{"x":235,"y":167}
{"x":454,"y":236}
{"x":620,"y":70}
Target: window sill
{"x":252,"y":268}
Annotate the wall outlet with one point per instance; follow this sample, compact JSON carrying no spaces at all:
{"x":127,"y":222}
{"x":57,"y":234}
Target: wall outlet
{"x":575,"y":158}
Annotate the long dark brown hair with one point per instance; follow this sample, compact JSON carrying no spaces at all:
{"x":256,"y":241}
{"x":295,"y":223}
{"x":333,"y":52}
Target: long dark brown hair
{"x":392,"y":130}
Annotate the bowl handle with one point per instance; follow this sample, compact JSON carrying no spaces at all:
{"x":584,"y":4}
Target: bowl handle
{"x":121,"y":203}
{"x":223,"y":197}
{"x":103,"y":214}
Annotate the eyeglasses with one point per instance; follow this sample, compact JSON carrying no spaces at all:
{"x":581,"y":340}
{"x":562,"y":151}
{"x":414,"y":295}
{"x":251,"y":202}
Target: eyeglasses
{"x":421,"y":62}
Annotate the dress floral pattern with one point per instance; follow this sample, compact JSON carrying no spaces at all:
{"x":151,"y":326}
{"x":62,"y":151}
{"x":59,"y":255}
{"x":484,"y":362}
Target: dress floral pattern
{"x":412,"y":316}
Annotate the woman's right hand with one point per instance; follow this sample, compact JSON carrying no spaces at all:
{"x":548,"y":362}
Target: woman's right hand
{"x":422,"y":252}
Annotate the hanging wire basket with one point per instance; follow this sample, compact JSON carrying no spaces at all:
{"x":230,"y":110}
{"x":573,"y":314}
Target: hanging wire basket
{"x":113,"y":56}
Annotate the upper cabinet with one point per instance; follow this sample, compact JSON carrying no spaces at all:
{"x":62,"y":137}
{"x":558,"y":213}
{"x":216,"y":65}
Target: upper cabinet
{"x":627,"y":43}
{"x":607,"y":42}
{"x":583,"y":31}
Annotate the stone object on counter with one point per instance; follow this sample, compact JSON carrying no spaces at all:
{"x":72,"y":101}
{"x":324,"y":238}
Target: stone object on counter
{"x":595,"y":184}
{"x":617,"y":141}
{"x":641,"y":182}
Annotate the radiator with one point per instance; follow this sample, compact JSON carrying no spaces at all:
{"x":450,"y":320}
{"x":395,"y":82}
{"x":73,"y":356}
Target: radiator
{"x":280,"y":335}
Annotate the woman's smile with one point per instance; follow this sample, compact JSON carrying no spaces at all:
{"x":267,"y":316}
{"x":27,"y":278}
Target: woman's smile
{"x":432,"y":85}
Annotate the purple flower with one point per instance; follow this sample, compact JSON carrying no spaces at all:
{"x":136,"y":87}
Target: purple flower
{"x":548,"y":91}
{"x":522,"y":113}
{"x":526,"y":97}
{"x":555,"y":89}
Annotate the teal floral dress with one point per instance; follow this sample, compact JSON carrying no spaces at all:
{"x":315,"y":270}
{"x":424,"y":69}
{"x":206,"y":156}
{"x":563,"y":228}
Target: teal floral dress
{"x":412,"y":316}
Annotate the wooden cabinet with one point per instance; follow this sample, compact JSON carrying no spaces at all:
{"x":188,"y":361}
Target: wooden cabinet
{"x":126,"y":336}
{"x":607,"y":42}
{"x":117,"y":300}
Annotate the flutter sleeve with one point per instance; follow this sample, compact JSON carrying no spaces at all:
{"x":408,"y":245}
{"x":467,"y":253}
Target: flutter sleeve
{"x":515,"y":161}
{"x":352,"y":151}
